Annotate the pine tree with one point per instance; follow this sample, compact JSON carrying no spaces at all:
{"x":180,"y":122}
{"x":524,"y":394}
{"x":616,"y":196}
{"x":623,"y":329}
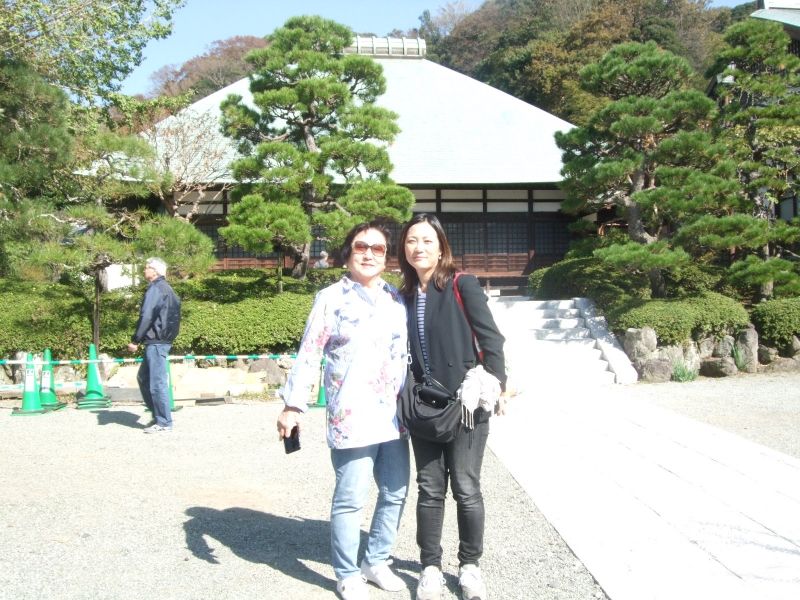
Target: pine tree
{"x":612,"y":162}
{"x":314,"y":143}
{"x":759,"y":123}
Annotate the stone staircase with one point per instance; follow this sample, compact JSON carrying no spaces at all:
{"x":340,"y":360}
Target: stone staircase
{"x":559,"y":342}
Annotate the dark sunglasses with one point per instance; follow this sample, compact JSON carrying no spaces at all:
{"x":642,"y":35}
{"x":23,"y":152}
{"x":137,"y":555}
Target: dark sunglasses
{"x":362,"y":247}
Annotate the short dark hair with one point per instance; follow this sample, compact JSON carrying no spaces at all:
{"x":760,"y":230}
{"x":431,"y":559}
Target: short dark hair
{"x":377,"y":224}
{"x":445,"y":269}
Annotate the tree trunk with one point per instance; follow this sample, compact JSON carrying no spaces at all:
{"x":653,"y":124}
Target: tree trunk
{"x":300,"y":266}
{"x":636,"y":230}
{"x":657,"y":286}
{"x":98,"y":288}
{"x":767,"y":288}
{"x":638,"y":233}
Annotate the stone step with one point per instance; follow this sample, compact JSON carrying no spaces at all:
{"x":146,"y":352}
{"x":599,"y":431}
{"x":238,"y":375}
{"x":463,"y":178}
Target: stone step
{"x":542,"y":304}
{"x":533,"y":377}
{"x":560,"y":345}
{"x":550,"y":341}
{"x":510,"y":298}
{"x":574,"y":367}
{"x":537,"y":323}
{"x":546,"y":350}
{"x":512,"y":316}
{"x":557,"y":313}
{"x":559,"y":334}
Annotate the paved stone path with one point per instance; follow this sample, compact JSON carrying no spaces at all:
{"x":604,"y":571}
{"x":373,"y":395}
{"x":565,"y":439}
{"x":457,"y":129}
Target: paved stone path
{"x":656,"y":505}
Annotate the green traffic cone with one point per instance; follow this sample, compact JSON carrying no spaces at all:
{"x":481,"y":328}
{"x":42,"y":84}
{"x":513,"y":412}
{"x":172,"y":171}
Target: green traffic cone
{"x":31,"y":403}
{"x":47,"y":394}
{"x":169,"y":387}
{"x":321,"y":400}
{"x":93,"y":396}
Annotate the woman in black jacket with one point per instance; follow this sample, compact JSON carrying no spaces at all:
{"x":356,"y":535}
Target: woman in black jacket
{"x":441,"y":339}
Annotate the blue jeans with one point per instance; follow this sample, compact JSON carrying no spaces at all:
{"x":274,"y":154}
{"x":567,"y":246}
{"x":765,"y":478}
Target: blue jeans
{"x":154,"y":383}
{"x":388,"y":464}
{"x":459,"y":461}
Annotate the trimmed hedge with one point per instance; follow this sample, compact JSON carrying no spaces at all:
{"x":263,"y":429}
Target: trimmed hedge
{"x":39,"y":316}
{"x":588,"y":278}
{"x":679,"y":320}
{"x":255,"y":325}
{"x":233,"y":312}
{"x":230,"y":313}
{"x":777,"y":321}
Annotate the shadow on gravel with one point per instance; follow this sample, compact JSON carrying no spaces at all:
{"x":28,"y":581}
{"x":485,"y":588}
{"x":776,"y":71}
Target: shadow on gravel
{"x":259,"y":537}
{"x":119,"y":417}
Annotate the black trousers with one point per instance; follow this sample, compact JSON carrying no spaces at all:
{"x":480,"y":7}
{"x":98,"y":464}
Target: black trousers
{"x":458,"y":461}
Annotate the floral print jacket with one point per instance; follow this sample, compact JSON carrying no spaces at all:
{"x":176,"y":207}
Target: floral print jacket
{"x":362,"y":336}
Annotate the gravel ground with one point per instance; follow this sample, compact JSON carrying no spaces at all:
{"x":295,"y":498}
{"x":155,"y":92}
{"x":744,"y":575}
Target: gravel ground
{"x":92,"y":508}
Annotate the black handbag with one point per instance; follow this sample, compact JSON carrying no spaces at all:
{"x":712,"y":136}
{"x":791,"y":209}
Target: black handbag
{"x":428,"y":410}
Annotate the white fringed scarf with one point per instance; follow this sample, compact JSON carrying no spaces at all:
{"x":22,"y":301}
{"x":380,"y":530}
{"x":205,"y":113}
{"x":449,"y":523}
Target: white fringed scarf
{"x":480,"y":389}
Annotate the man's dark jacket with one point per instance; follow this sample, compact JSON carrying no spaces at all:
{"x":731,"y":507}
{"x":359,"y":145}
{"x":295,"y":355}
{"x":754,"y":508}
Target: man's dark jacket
{"x":448,"y":336}
{"x":160,"y":315}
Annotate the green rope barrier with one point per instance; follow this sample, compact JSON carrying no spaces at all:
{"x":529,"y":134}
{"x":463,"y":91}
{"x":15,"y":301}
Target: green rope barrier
{"x":186,"y":357}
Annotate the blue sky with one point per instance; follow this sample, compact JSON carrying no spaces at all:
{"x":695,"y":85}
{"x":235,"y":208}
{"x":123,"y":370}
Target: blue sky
{"x":202,"y":22}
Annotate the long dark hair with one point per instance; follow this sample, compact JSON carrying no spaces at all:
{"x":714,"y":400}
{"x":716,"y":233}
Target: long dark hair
{"x":444,"y":270}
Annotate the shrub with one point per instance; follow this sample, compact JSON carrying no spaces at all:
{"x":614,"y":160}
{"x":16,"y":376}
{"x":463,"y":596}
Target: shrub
{"x":254,"y":325}
{"x":321,"y":278}
{"x":535,"y":281}
{"x":230,"y":313}
{"x":681,"y":372}
{"x":692,"y":279}
{"x":777,"y":321}
{"x":37,"y":316}
{"x":679,"y":320}
{"x":591,"y":278}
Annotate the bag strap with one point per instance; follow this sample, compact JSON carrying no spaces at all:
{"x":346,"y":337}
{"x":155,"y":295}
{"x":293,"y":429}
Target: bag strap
{"x":457,"y":293}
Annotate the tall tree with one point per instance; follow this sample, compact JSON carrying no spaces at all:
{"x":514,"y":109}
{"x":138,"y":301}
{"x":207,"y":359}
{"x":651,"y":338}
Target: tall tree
{"x":187,"y":163}
{"x":534,"y":49}
{"x":612,"y":161}
{"x":36,"y":145}
{"x":314,"y":143}
{"x":759,"y":122}
{"x":86,"y":46}
{"x":222,"y":64}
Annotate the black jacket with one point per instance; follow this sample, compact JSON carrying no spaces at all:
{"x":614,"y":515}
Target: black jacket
{"x":448,"y":336}
{"x":160,"y":315}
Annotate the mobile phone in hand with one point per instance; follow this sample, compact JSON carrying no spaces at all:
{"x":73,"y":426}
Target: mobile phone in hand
{"x":292,"y":443}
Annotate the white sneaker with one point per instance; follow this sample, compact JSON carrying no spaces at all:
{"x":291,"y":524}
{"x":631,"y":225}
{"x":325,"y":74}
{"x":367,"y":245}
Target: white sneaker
{"x":156,"y":428}
{"x":471,"y":582}
{"x":382,"y":576}
{"x":430,"y":584}
{"x":353,"y":588}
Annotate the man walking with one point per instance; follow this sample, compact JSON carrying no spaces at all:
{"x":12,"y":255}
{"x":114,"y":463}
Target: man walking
{"x":159,"y":322}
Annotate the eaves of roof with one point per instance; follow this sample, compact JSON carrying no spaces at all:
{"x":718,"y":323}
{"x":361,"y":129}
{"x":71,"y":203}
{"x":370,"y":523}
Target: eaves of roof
{"x":787,"y":16}
{"x":454,"y":129}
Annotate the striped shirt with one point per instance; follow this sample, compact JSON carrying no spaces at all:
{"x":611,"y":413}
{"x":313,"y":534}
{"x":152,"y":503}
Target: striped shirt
{"x":421,"y":296}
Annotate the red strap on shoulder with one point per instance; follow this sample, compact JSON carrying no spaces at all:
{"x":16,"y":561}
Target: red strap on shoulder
{"x":457,"y":293}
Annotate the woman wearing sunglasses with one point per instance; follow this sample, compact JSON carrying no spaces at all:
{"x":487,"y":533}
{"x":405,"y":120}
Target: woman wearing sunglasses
{"x":441,"y":329}
{"x":359,"y":326}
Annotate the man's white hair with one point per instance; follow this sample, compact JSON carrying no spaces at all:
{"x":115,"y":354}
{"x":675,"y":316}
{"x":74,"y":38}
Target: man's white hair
{"x":158,"y":265}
